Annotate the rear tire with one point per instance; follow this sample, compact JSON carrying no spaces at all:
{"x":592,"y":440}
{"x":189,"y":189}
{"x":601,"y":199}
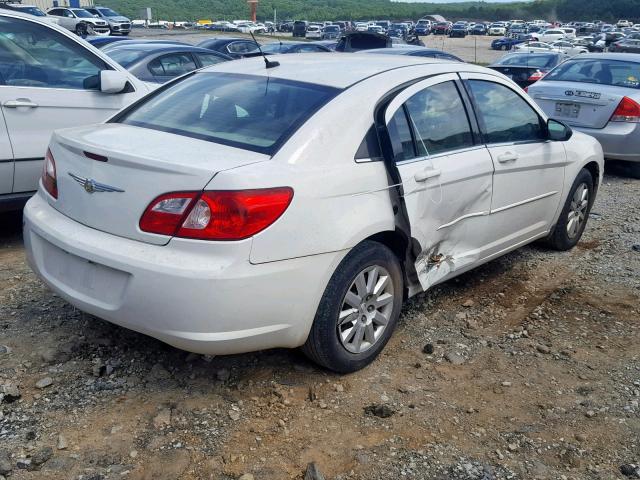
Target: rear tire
{"x":358,"y":310}
{"x":575,"y":214}
{"x":81,"y":30}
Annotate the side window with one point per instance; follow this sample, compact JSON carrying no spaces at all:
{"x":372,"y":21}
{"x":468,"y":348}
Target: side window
{"x":400,"y":131}
{"x":68,"y":14}
{"x":241,"y":47}
{"x":172,"y":65}
{"x":439,"y":120}
{"x":504,"y":115}
{"x":55,"y":12}
{"x":209,"y":59}
{"x":33,"y":55}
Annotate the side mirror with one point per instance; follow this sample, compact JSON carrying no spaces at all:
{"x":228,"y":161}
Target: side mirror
{"x":558,"y":131}
{"x":112,"y":81}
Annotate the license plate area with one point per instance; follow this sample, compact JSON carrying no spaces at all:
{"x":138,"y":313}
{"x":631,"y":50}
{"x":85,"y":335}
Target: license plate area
{"x":567,"y":109}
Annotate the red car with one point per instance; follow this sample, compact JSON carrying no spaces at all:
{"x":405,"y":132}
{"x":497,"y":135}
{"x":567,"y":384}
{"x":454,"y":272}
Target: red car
{"x":442,"y":28}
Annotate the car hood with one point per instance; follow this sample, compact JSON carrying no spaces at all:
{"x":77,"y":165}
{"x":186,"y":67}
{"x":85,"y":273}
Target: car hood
{"x":117,"y":19}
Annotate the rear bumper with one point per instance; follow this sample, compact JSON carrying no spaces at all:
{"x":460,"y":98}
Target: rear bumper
{"x":203,"y":297}
{"x":619,"y":140}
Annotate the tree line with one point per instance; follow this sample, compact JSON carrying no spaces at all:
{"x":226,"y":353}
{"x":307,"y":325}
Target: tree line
{"x":566,"y":10}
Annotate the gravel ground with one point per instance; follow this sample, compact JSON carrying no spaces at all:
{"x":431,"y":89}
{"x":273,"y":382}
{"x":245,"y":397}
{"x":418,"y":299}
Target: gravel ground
{"x":525,"y":368}
{"x":470,"y":49}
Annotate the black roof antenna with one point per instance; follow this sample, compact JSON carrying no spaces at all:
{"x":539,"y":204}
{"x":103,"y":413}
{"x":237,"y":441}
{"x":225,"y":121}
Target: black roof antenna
{"x":268,"y":63}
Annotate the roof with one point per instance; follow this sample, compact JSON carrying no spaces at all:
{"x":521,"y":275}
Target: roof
{"x":627,"y":57}
{"x":330,"y":69}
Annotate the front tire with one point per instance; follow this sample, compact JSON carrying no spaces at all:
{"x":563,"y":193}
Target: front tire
{"x":358,"y":310}
{"x":575,"y":213}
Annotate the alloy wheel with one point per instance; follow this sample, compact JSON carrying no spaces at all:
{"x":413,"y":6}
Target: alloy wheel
{"x":578,"y":210}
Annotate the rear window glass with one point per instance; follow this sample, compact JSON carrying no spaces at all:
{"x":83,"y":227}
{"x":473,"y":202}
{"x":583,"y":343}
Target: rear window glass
{"x":255,"y":113}
{"x":602,"y":72}
{"x":527,"y":60}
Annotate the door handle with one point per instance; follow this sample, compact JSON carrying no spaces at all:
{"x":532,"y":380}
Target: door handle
{"x":507,"y":157}
{"x":20,"y":102}
{"x":426,"y":174}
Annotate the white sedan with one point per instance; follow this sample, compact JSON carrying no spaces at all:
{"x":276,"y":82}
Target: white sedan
{"x":569,"y":48}
{"x":535,"y":47}
{"x":242,"y":207}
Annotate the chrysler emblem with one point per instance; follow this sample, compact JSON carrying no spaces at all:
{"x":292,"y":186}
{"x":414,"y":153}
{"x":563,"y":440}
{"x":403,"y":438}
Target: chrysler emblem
{"x":91,"y":186}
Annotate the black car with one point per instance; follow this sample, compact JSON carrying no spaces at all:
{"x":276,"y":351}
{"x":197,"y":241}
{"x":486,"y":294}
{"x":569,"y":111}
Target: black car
{"x":159,"y":63}
{"x":299,"y":28}
{"x":230,"y":46}
{"x":527,"y":68}
{"x":398,"y":30}
{"x":416,"y":52}
{"x":479,"y":29}
{"x":278,"y":48}
{"x":458,"y":30}
{"x":100,"y":42}
{"x":357,"y":41}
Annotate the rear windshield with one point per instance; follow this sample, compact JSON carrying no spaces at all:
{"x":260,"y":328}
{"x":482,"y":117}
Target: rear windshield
{"x":255,"y":113}
{"x":526,"y":60}
{"x":603,"y":72}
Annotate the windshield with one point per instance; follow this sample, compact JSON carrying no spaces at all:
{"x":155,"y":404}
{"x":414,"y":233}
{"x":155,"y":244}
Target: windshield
{"x":125,"y":56}
{"x":526,"y":60}
{"x":81,"y":13}
{"x":107,"y":12}
{"x":603,"y":72}
{"x":256,"y":113}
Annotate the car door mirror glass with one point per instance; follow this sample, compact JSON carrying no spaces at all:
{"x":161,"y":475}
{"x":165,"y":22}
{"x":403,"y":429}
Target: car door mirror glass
{"x":112,"y":81}
{"x":558,"y":131}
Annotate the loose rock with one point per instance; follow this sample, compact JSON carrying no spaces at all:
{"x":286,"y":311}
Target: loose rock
{"x":313,"y":472}
{"x":382,"y":411}
{"x":454,"y":358}
{"x":44,"y":383}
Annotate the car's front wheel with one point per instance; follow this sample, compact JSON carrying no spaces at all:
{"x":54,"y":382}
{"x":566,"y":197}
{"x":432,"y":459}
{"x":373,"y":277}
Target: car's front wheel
{"x":575,"y":213}
{"x":358,"y":311}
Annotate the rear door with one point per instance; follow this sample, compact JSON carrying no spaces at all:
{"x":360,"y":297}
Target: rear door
{"x":49,"y":82}
{"x":6,"y":159}
{"x":529,"y":169}
{"x":446,"y":176}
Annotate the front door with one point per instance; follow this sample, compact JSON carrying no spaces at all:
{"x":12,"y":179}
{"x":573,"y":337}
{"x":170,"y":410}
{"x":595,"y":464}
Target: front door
{"x":446,"y":175}
{"x":529,"y":169}
{"x":47,"y":82}
{"x":6,"y":159}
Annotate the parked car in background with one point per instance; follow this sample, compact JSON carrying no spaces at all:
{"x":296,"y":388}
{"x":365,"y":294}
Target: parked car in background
{"x":159,"y":63}
{"x":357,"y":41}
{"x":331,"y":32}
{"x":527,"y":68}
{"x":79,"y":20}
{"x":223,"y":27}
{"x":118,"y":24}
{"x":442,"y":28}
{"x":283,"y":47}
{"x":569,"y":48}
{"x":626,"y":45}
{"x":479,"y":29}
{"x":22,"y":8}
{"x":314,"y":32}
{"x":506,"y":43}
{"x":598,"y":94}
{"x":534,"y":47}
{"x":458,"y":30}
{"x":416,"y":52}
{"x":569,"y":33}
{"x":398,"y":30}
{"x":299,"y":28}
{"x":230,"y":46}
{"x":423,"y":28}
{"x":50,"y":79}
{"x":551,"y":35}
{"x":624,"y":23}
{"x":497,"y":29}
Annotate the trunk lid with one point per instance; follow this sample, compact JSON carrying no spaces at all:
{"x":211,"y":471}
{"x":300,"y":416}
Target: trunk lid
{"x":140,"y":165}
{"x":578,"y":104}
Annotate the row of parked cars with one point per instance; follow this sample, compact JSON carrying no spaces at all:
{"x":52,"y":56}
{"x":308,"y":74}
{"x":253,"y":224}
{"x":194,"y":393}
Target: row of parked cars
{"x":246,"y":205}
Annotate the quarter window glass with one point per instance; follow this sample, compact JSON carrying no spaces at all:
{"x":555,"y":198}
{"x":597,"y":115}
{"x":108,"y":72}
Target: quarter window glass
{"x":439,"y":120}
{"x":505,"y":116}
{"x":32,"y":55}
{"x":399,"y":128}
{"x":208,"y":59}
{"x":172,"y":65}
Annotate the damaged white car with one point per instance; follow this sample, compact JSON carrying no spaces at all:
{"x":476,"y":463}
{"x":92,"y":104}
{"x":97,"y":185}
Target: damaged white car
{"x":242,"y":207}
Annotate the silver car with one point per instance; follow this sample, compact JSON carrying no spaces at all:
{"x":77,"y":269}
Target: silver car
{"x":597,"y":94}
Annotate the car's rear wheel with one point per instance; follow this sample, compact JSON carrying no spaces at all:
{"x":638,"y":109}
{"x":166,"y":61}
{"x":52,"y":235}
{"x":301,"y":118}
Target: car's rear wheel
{"x":81,"y":29}
{"x":575,"y":213}
{"x":358,"y":311}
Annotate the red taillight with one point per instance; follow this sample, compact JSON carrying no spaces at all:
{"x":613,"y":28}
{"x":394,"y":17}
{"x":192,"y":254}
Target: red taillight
{"x":628,"y":110}
{"x":49,"y":179}
{"x":537,"y":75}
{"x":216,"y":215}
{"x":526,"y":89}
